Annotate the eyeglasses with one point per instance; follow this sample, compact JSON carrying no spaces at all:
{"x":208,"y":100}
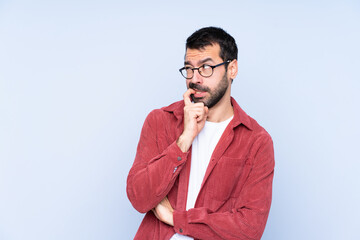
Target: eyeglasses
{"x":205,"y":70}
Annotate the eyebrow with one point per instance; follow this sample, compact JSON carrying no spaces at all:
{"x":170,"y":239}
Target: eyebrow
{"x":200,"y":62}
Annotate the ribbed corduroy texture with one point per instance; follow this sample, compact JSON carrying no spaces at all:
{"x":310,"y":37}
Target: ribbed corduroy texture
{"x":235,"y":197}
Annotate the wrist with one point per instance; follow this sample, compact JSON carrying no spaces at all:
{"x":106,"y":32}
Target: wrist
{"x":184,"y":142}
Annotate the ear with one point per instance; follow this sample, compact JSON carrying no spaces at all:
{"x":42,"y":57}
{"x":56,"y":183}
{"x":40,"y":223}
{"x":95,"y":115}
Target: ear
{"x":232,"y":69}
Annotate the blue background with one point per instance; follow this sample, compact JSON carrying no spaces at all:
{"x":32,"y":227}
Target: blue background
{"x":77,"y":79}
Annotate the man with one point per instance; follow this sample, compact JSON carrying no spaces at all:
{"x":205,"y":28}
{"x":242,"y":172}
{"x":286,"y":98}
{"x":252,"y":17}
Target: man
{"x":203,"y":167}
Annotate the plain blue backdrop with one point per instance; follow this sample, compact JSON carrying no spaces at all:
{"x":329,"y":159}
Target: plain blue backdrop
{"x":77,"y":79}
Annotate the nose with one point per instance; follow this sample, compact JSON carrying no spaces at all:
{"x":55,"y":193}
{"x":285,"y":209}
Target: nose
{"x":197,"y":78}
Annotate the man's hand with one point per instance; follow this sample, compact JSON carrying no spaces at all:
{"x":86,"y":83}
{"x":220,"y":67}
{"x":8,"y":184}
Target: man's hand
{"x":195,"y":115}
{"x":164,"y":212}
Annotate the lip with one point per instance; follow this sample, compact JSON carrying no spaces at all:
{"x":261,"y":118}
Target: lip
{"x":199,"y":94}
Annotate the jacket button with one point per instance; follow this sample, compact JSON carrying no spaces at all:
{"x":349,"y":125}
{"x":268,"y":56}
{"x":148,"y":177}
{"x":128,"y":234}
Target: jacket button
{"x":180,"y":230}
{"x":179,"y":158}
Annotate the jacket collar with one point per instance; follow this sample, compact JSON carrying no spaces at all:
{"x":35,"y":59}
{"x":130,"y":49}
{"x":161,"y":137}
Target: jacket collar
{"x":240,"y":117}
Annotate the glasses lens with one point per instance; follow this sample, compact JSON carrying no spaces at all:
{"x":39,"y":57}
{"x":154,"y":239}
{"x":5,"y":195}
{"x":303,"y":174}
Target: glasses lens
{"x":205,"y":71}
{"x":187,"y":72}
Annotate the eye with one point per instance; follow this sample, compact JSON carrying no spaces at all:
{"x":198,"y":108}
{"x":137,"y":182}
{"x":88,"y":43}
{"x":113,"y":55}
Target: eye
{"x":205,"y":66}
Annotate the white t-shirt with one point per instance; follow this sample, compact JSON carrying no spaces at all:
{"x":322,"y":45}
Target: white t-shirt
{"x":202,"y":148}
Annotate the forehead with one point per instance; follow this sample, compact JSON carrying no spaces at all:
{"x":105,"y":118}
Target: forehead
{"x":196,"y":55}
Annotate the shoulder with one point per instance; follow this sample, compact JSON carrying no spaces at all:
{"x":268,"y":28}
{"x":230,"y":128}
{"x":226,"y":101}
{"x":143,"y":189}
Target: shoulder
{"x":259,"y":142}
{"x":259,"y":132}
{"x":255,"y":130}
{"x":174,"y":107}
{"x":174,"y":110}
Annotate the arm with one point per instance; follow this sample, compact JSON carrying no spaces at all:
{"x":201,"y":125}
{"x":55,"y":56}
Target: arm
{"x":152,"y":175}
{"x":154,"y":171}
{"x":247,"y":218}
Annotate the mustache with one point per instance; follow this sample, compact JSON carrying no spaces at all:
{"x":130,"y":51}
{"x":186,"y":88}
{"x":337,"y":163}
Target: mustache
{"x":198,"y":87}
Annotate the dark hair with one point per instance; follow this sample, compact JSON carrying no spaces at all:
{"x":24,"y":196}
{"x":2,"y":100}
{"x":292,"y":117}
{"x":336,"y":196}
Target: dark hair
{"x":210,"y":36}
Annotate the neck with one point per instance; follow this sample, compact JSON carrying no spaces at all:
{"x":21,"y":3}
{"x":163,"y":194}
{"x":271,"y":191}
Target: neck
{"x":221,"y":111}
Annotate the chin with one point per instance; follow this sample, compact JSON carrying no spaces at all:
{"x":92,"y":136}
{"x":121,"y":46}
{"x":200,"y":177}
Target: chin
{"x":197,"y":100}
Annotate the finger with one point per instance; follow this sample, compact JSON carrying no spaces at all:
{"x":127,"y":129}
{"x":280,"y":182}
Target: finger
{"x":164,"y":201}
{"x":206,"y":110}
{"x":199,"y":104}
{"x":194,"y":108}
{"x":167,"y":204}
{"x":187,"y":99}
{"x":202,"y":114}
{"x":195,"y":113}
{"x":200,"y":117}
{"x":154,"y":211}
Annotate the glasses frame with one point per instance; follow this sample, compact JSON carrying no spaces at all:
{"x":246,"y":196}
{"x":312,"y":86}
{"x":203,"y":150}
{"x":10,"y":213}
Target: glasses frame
{"x":193,"y":69}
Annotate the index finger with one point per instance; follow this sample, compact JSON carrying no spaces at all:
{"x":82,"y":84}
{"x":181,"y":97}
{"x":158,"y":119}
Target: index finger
{"x":187,"y":99}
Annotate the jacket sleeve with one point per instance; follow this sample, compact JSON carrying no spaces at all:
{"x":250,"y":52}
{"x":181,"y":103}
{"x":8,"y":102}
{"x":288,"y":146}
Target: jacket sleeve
{"x":248,"y":216}
{"x":154,"y":170}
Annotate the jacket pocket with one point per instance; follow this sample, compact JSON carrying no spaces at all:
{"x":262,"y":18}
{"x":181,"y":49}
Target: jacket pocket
{"x":227,"y":178}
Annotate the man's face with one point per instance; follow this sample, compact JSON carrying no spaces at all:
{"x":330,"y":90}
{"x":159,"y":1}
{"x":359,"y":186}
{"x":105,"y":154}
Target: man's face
{"x":209,"y":90}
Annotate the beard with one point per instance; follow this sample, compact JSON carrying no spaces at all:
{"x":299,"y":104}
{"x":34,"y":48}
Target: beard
{"x":215,"y":95}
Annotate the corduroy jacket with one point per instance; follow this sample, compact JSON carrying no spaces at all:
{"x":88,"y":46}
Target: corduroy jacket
{"x":235,"y":195}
